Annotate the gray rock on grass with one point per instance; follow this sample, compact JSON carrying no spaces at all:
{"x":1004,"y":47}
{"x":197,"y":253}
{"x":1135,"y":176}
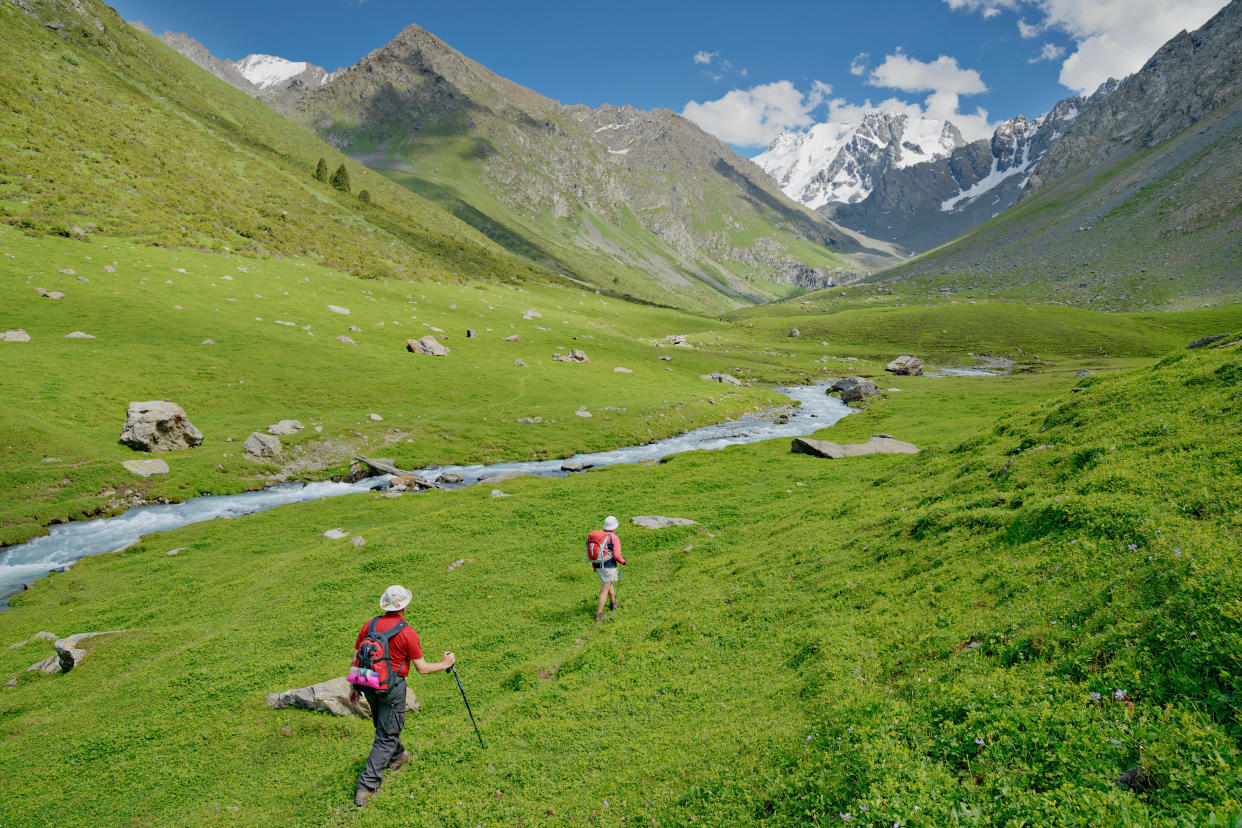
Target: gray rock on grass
{"x":145,"y":468}
{"x":718,"y":376}
{"x":285,"y":427}
{"x":78,"y":335}
{"x":331,"y":697}
{"x":427,"y":346}
{"x":260,"y":446}
{"x":574,"y":355}
{"x":158,"y":425}
{"x":660,"y":522}
{"x":15,"y":335}
{"x":878,"y":444}
{"x":854,"y":389}
{"x":68,"y":653}
{"x":519,"y":363}
{"x":39,"y":636}
{"x":907,"y":365}
{"x":346,"y":340}
{"x":335,"y":534}
{"x":339,"y":309}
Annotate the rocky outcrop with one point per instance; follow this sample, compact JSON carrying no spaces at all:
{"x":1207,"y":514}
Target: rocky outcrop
{"x":854,"y":389}
{"x":660,"y":522}
{"x":906,"y":365}
{"x":285,"y":427}
{"x":260,"y":446}
{"x":68,"y":653}
{"x":427,"y":346}
{"x":878,"y":444}
{"x":159,"y":425}
{"x":717,"y":376}
{"x":331,"y":697}
{"x":574,"y":355}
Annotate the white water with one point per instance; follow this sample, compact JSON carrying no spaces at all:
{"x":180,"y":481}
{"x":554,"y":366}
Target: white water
{"x":68,"y":543}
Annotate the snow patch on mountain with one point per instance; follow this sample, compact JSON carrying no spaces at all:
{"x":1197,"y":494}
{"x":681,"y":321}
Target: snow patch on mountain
{"x":267,"y":71}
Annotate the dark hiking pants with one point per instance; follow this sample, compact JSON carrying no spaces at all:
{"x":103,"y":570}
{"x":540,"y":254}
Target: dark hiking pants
{"x":388,"y":714}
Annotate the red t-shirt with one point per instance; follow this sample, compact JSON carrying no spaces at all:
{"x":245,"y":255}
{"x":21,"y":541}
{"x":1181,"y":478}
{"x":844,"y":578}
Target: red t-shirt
{"x":403,"y":647}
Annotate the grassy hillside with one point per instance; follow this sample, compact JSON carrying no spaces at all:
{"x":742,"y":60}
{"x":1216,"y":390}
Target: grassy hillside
{"x":900,"y":639}
{"x":109,"y":132}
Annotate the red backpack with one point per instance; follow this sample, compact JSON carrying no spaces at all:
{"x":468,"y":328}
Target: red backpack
{"x":599,"y":547}
{"x":372,"y":665}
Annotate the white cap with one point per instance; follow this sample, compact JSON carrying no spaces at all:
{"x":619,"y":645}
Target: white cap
{"x":396,"y":597}
{"x":610,"y":523}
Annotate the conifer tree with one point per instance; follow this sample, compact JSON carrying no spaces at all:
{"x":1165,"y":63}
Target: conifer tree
{"x":340,"y":179}
{"x":364,"y":196}
{"x":321,"y":171}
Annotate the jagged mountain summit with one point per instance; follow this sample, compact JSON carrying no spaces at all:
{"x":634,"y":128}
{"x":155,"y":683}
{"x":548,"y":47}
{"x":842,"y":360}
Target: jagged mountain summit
{"x":1136,"y":203}
{"x":914,"y":182}
{"x":644,"y":200}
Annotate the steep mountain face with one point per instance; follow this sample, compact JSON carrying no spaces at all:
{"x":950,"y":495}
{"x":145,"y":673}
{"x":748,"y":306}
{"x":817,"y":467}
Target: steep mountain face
{"x":277,"y":82}
{"x":913,"y":182}
{"x":1137,"y":203}
{"x":645,"y":201}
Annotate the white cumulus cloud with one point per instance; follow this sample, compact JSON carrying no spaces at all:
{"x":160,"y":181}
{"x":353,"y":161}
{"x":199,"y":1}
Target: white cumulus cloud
{"x":705,"y":58}
{"x":1051,"y":51}
{"x":1112,"y":38}
{"x":753,"y":117}
{"x":944,"y":81}
{"x":858,"y":66}
{"x":1028,"y":30}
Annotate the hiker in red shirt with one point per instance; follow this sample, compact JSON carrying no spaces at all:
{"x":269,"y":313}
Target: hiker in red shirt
{"x":385,"y":649}
{"x":604,"y":553}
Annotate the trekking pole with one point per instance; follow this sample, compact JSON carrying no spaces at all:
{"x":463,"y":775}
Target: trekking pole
{"x":453,"y":670}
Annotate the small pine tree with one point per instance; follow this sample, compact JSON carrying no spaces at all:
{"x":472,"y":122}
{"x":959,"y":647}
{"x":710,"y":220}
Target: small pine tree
{"x":321,"y":171}
{"x":340,"y":179}
{"x":364,"y":196}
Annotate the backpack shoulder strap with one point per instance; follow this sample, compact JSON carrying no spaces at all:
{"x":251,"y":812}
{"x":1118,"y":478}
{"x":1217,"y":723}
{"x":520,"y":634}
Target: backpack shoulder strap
{"x":392,"y":631}
{"x":371,"y":626}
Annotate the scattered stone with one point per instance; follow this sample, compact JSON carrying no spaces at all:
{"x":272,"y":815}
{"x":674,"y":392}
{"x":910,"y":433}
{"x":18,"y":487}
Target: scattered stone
{"x":660,"y":522}
{"x":519,"y":363}
{"x":459,"y":562}
{"x":285,"y":427}
{"x":39,"y":636}
{"x":574,"y":355}
{"x":529,"y":420}
{"x":1083,"y":373}
{"x":68,"y":653}
{"x":355,"y":329}
{"x":499,"y":493}
{"x":11,"y":683}
{"x":667,"y":358}
{"x":68,"y":271}
{"x":676,"y":339}
{"x":15,"y":335}
{"x":688,"y":548}
{"x":335,"y":534}
{"x":158,"y":425}
{"x":532,"y":314}
{"x":375,"y":418}
{"x":78,"y":335}
{"x":622,"y":371}
{"x":145,"y":468}
{"x":878,"y":444}
{"x":427,"y":346}
{"x":1205,"y":341}
{"x":176,"y":551}
{"x":717,"y":376}
{"x":111,"y":269}
{"x":346,"y":340}
{"x":331,"y":697}
{"x":471,"y":333}
{"x":209,"y":342}
{"x":1044,"y":447}
{"x":262,"y":446}
{"x":410,"y":482}
{"x":574,"y":466}
{"x":514,"y":338}
{"x":450,"y":477}
{"x":854,"y":389}
{"x":50,"y":294}
{"x":795,"y":333}
{"x":339,"y":309}
{"x":358,"y":540}
{"x":582,"y":412}
{"x":906,"y":365}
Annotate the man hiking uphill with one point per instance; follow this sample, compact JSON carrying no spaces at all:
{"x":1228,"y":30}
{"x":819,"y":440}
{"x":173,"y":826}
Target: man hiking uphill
{"x":383,"y":653}
{"x":603,"y":550}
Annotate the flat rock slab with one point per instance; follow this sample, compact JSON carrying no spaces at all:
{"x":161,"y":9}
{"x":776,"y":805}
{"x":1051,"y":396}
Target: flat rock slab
{"x":285,"y":427}
{"x":331,"y":697}
{"x":428,"y":346}
{"x":15,"y":335}
{"x":879,"y":444}
{"x":660,"y":522}
{"x":262,"y":446}
{"x":499,"y":493}
{"x":339,"y":309}
{"x":68,"y":653}
{"x":335,"y":534}
{"x":575,"y":466}
{"x":717,"y":376}
{"x":39,"y":636}
{"x":146,"y":468}
{"x":501,"y":477}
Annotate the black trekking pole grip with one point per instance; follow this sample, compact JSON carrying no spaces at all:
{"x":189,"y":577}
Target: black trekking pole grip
{"x":453,"y":670}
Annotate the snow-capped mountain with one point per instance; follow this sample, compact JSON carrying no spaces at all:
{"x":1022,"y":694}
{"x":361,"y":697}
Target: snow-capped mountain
{"x":271,"y":72}
{"x":914,"y":181}
{"x":839,"y":163}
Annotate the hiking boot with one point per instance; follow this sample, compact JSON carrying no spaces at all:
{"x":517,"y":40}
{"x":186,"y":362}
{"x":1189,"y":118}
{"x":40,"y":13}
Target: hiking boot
{"x":396,"y":764}
{"x":599,"y":616}
{"x":612,"y":607}
{"x":364,"y":795}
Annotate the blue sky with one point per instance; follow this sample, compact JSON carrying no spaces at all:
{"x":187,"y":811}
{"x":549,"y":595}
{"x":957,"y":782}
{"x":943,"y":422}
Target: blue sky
{"x":760,"y":67}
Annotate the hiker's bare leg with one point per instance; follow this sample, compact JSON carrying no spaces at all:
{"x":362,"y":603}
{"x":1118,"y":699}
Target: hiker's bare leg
{"x":603,"y":598}
{"x":612,"y":595}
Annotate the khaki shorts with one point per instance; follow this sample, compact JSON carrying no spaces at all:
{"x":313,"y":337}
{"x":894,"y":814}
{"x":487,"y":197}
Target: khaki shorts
{"x":609,"y":574}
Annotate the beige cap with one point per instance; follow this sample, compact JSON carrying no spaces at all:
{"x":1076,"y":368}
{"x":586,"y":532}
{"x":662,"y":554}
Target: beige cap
{"x":396,"y":597}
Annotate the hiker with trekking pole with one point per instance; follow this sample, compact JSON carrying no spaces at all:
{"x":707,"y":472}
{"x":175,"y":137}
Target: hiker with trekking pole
{"x":383,"y":653}
{"x":603,"y":549}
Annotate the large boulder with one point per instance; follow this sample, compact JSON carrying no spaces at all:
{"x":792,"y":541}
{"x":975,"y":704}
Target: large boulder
{"x":262,"y":446}
{"x":331,"y":697}
{"x":717,"y":376}
{"x":878,"y":444}
{"x":427,"y":346}
{"x":854,"y":389}
{"x":159,"y":425}
{"x":906,"y":365}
